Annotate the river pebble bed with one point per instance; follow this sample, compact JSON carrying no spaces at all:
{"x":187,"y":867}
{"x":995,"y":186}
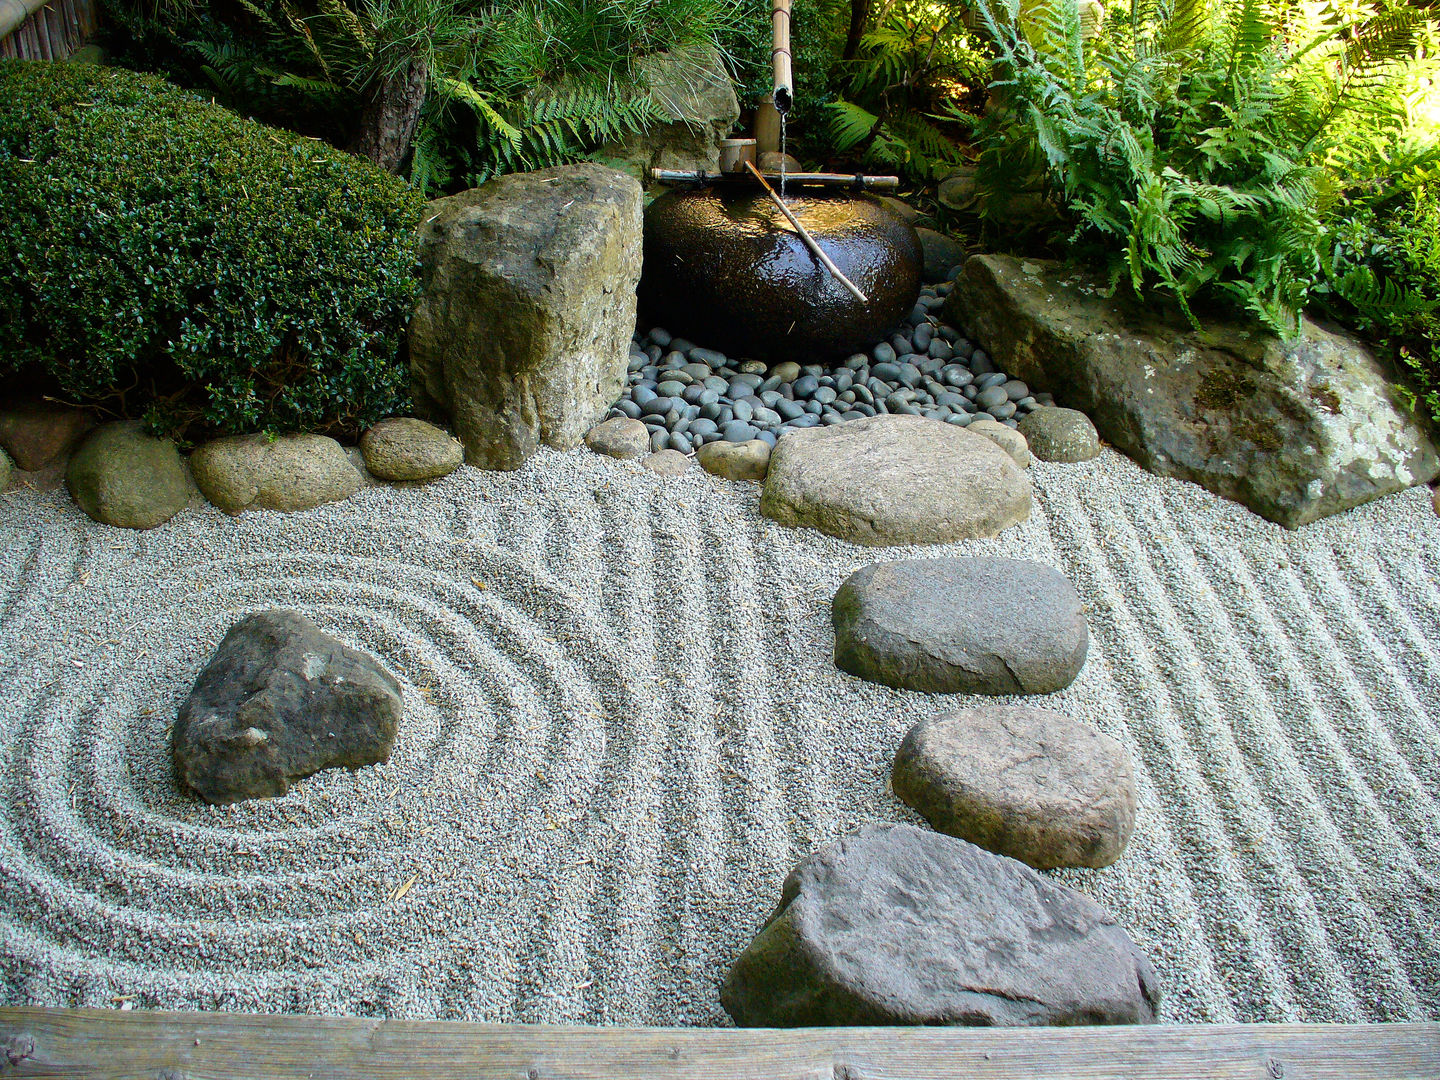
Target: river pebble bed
{"x":688,"y":395}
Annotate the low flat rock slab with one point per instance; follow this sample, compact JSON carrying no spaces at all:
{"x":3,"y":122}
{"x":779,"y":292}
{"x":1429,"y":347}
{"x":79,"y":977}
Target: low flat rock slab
{"x":900,"y":925}
{"x":1029,"y":783}
{"x":894,"y":479}
{"x":961,"y":626}
{"x":280,"y":700}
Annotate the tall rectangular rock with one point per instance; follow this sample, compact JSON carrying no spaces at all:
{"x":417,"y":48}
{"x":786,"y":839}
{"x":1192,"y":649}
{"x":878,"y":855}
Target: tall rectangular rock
{"x":522,"y":333}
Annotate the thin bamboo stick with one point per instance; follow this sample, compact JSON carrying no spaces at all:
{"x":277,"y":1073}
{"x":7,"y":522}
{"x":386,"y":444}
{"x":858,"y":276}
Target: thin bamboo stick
{"x":853,"y":180}
{"x":825,"y":260}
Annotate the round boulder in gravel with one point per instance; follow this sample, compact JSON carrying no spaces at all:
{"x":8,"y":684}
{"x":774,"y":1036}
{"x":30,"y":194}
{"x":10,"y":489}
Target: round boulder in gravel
{"x":279,"y":700}
{"x":667,"y":463}
{"x":900,"y":925}
{"x":961,"y":626}
{"x":1008,"y":439}
{"x":736,"y":461}
{"x":293,"y":472}
{"x":404,"y":448}
{"x":1435,"y":501}
{"x":5,"y":468}
{"x":37,"y":433}
{"x":894,"y":479}
{"x":1029,"y":783}
{"x":1056,"y":434}
{"x":619,"y":437}
{"x":121,"y":476}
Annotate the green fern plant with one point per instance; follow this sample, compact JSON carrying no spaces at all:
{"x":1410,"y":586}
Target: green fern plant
{"x":1196,"y":152}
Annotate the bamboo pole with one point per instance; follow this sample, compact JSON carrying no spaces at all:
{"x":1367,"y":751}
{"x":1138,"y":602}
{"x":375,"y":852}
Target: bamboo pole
{"x":780,"y":55}
{"x":825,"y":260}
{"x":858,"y":181}
{"x":15,"y":12}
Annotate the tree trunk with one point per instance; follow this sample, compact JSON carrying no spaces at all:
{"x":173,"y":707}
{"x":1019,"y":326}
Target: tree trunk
{"x":388,"y":123}
{"x":859,"y":16}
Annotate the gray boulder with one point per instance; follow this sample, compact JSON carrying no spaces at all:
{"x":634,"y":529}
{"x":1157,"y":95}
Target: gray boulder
{"x":278,"y":701}
{"x":961,"y":626}
{"x":900,"y":925}
{"x":293,"y":472}
{"x":619,"y":437}
{"x":736,"y":461}
{"x":1056,"y":434}
{"x":694,"y":88}
{"x":121,"y":476}
{"x":522,"y":332}
{"x":404,"y":448}
{"x":1294,"y":430}
{"x":1029,"y":783}
{"x":894,"y":479}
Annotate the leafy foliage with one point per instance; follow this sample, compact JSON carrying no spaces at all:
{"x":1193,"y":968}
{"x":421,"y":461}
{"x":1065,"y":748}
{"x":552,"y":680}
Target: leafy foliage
{"x":165,"y":256}
{"x":1202,"y":148}
{"x":512,"y":84}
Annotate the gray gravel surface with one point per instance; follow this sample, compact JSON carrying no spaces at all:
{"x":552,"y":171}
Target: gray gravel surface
{"x":623,"y":727}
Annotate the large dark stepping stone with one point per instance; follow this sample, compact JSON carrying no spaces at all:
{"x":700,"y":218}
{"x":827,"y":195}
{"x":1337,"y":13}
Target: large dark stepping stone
{"x":1020,"y":781}
{"x":899,"y":925}
{"x":961,"y":625}
{"x":280,"y":700}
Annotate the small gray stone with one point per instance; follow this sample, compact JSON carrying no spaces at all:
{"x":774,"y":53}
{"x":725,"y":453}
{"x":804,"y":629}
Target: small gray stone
{"x":1020,"y":781}
{"x":1065,"y":435}
{"x":961,"y":625}
{"x":1008,"y":439}
{"x":737,"y":431}
{"x":121,"y":476}
{"x":278,"y":701}
{"x":404,"y":448}
{"x":806,"y":385}
{"x":900,"y":925}
{"x":736,"y":461}
{"x":993,"y":395}
{"x":884,"y":353}
{"x":667,"y":462}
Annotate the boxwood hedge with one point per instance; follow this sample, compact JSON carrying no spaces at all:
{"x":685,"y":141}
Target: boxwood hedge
{"x":164,"y":257}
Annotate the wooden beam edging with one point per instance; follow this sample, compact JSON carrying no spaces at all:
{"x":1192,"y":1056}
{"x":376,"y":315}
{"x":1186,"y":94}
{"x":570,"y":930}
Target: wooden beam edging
{"x":101,"y":1044}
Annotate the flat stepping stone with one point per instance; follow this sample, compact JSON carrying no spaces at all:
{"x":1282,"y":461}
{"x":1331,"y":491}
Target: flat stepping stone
{"x":894,"y":479}
{"x":280,"y":700}
{"x":900,"y":925}
{"x":961,"y":626}
{"x":1020,"y":781}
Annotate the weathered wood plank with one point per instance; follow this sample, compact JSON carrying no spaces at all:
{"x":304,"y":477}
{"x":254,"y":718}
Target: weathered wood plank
{"x":95,"y":1044}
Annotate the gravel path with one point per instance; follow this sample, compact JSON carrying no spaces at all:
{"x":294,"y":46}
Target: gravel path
{"x":623,"y":727}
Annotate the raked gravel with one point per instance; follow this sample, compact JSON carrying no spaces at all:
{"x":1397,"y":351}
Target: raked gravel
{"x":623,"y":726}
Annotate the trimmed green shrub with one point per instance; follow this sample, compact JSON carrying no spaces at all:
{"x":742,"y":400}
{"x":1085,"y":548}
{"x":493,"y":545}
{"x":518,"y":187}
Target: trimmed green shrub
{"x":165,"y":257}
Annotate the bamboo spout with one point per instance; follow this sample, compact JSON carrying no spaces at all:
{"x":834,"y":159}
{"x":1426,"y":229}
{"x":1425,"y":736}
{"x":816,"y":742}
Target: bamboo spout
{"x":780,"y":55}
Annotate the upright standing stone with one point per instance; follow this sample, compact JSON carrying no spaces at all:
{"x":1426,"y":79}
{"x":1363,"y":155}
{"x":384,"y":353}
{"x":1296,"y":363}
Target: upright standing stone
{"x":900,"y":925}
{"x":522,"y":332}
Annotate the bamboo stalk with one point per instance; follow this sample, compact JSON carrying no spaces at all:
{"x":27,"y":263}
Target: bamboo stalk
{"x":780,"y":55}
{"x":825,"y":260}
{"x":854,"y":180}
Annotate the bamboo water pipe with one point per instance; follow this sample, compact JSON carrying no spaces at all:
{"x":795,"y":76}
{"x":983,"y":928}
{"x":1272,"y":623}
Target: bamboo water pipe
{"x":855,"y":181}
{"x":784,"y":95}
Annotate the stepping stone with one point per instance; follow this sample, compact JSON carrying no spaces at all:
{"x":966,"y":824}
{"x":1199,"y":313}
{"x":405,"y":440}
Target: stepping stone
{"x":121,"y":476}
{"x":961,"y":626}
{"x":900,"y":925}
{"x":894,"y":479}
{"x":1029,"y":783}
{"x":280,"y":700}
{"x":1065,"y":435}
{"x":619,"y":437}
{"x":405,"y":448}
